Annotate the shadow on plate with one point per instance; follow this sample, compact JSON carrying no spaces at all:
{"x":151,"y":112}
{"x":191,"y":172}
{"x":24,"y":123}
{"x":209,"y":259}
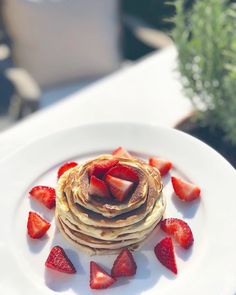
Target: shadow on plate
{"x":78,"y":283}
{"x":166,"y":179}
{"x":37,"y":245}
{"x":182,"y":253}
{"x":60,"y":282}
{"x":187,"y":209}
{"x":46,"y":213}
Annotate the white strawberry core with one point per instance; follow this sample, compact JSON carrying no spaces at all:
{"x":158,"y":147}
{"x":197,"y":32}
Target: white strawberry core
{"x":119,"y":186}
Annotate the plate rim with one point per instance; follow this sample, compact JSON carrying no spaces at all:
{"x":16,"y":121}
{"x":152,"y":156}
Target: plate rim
{"x":100,"y":124}
{"x":73,"y":129}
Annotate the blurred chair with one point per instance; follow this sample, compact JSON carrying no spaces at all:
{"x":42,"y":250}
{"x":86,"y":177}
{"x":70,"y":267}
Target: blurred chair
{"x":59,"y":46}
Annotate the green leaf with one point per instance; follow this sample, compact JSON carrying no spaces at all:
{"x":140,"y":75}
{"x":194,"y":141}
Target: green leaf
{"x":206,"y":41}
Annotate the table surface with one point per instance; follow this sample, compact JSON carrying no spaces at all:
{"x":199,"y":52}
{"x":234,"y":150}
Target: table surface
{"x":148,"y":91}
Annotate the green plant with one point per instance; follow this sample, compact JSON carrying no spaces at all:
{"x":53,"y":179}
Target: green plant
{"x":205,"y":36}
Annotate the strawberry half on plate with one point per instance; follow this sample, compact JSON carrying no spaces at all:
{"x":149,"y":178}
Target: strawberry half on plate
{"x":121,"y":153}
{"x":186,"y":191}
{"x":164,"y":251}
{"x":99,"y":278}
{"x":58,"y":260}
{"x":180,"y":230}
{"x":162,"y":165}
{"x":44,"y":194}
{"x":124,"y":265}
{"x":37,"y":226}
{"x":65,"y":167}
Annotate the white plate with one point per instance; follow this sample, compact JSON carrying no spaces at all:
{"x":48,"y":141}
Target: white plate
{"x":208,"y":268}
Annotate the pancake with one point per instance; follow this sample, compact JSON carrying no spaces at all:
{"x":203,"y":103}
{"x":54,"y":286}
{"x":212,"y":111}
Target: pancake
{"x":92,"y":250}
{"x":65,"y":200}
{"x":78,"y":184}
{"x":105,"y":226}
{"x":113,"y":233}
{"x":99,"y":243}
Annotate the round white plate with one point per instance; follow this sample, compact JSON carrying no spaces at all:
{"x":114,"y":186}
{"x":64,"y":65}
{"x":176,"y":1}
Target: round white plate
{"x":207,"y":268}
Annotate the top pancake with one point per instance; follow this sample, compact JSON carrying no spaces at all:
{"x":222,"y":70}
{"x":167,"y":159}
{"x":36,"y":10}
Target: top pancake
{"x":78,"y":183}
{"x":72,"y":195}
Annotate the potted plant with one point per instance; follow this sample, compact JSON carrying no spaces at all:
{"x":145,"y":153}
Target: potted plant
{"x":205,"y":37}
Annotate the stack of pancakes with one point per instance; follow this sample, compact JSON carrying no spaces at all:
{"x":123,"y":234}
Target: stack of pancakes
{"x":102,"y":226}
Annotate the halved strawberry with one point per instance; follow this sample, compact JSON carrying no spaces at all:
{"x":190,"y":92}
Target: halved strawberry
{"x":100,"y":168}
{"x":186,"y":191}
{"x":124,"y":172}
{"x":36,"y":225}
{"x":98,"y":188}
{"x":180,"y":229}
{"x":124,"y":265}
{"x":118,"y":187}
{"x":99,"y":278}
{"x":45,"y":194}
{"x":121,"y":152}
{"x":65,"y":167}
{"x":164,"y":251}
{"x":162,"y":165}
{"x":58,"y":260}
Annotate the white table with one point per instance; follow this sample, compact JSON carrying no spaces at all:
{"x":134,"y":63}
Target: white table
{"x":147,"y":91}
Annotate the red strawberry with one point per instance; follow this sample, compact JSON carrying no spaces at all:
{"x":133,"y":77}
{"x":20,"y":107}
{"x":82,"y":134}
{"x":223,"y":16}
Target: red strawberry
{"x":124,"y":265}
{"x":119,"y":187}
{"x":162,"y":165}
{"x":101,"y":167}
{"x":164,"y":251}
{"x":58,"y":260}
{"x":124,"y":172}
{"x":37,"y":226}
{"x":45,"y":195}
{"x":186,"y":191}
{"x":65,"y":167}
{"x":99,"y":278}
{"x":98,"y":188}
{"x":121,"y":152}
{"x":180,"y":229}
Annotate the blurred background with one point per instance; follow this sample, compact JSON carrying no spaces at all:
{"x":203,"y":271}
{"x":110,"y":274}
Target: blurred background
{"x":47,"y":47}
{"x":50,"y":49}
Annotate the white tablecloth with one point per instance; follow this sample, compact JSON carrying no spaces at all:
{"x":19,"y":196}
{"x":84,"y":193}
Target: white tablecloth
{"x":147,"y":91}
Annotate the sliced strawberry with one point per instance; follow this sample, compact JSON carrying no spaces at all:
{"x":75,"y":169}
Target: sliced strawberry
{"x":119,"y":188}
{"x":37,"y":226}
{"x":65,"y":167}
{"x":99,"y":278}
{"x":121,"y":152}
{"x":101,"y":167}
{"x":124,"y":172}
{"x":164,"y":251}
{"x":186,"y":191}
{"x":98,"y":188}
{"x":180,"y":229}
{"x":162,"y":165}
{"x":124,"y":265}
{"x":44,"y":194}
{"x":59,"y":261}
